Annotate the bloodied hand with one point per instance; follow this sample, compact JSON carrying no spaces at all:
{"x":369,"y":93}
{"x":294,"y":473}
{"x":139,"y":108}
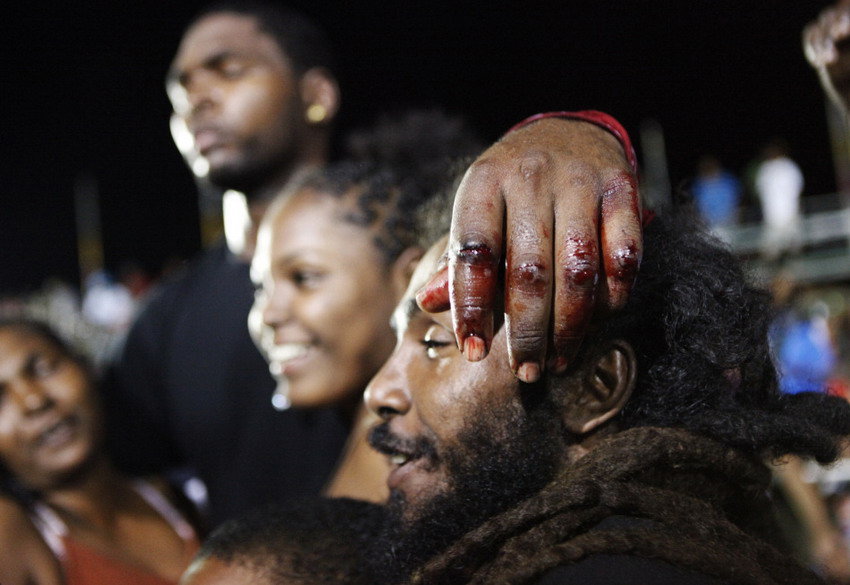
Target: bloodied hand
{"x":557,"y":201}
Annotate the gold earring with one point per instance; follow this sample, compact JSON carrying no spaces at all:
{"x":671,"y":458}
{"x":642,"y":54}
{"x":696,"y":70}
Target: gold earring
{"x":317,"y":113}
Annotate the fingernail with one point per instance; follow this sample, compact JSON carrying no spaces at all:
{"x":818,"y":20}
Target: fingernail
{"x":529,"y":372}
{"x":420,"y":295}
{"x":473,"y":348}
{"x":560,"y":365}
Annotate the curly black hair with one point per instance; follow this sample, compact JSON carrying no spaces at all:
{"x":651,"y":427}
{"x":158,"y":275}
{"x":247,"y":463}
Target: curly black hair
{"x":311,"y":542}
{"x":700,"y":333}
{"x":401,"y":170}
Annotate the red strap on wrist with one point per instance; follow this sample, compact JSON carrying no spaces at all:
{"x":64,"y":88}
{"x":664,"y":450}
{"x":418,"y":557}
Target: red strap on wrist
{"x":601,"y":119}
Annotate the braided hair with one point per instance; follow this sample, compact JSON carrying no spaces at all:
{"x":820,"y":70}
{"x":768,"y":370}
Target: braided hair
{"x":399,"y":171}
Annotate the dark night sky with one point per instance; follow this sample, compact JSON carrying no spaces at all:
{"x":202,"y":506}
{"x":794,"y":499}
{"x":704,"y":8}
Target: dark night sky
{"x":83,"y":96}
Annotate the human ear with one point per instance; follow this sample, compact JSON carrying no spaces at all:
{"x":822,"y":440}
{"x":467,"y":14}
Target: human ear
{"x":402,"y":269}
{"x":320,"y":96}
{"x":604,"y":386}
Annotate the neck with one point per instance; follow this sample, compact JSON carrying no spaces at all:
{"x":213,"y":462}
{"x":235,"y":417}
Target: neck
{"x":242,"y":212}
{"x":312,"y":153}
{"x":94,"y":499}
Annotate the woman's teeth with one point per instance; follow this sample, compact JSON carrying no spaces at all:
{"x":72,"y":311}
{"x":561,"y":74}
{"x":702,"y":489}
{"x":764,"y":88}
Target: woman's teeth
{"x":399,"y":459}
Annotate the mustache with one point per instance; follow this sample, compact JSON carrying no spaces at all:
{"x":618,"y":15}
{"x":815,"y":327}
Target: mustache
{"x":384,"y":441}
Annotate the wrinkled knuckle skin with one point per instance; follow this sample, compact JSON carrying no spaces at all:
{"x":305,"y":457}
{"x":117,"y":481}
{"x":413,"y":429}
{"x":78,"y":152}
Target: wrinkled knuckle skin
{"x":581,"y":174}
{"x":526,"y":341}
{"x":566,"y":338}
{"x":621,"y":186}
{"x":534,"y":163}
{"x":483,"y":171}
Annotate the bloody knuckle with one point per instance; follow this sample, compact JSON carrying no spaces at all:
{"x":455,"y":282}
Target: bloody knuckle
{"x":531,"y":276}
{"x":580,"y":273}
{"x":475,"y":252}
{"x":626,"y":261}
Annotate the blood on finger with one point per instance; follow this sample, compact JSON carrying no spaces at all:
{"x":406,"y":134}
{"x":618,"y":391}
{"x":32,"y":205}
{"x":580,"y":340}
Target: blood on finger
{"x":475,"y":278}
{"x":581,"y":262}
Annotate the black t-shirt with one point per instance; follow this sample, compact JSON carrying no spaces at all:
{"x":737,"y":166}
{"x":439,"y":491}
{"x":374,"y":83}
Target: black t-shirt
{"x":190,"y":389}
{"x":620,"y":569}
{"x":624,"y":570}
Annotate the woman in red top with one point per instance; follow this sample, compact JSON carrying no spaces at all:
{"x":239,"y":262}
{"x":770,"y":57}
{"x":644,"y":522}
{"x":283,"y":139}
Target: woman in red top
{"x":66,"y":515}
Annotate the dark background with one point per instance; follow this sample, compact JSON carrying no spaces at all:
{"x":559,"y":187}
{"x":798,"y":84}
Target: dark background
{"x":83,"y":97}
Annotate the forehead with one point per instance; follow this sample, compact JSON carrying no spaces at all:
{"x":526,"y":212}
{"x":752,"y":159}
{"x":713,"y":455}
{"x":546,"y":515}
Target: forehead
{"x":310,"y":221}
{"x":16,"y":343}
{"x":17,"y":339}
{"x":311,"y":216}
{"x":407,"y":308}
{"x":226,"y":33}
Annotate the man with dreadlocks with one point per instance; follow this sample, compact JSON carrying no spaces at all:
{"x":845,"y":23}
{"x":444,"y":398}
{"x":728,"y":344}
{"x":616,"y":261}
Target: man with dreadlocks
{"x":644,"y":463}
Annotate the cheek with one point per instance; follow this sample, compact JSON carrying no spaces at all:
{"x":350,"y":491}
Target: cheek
{"x":12,"y":453}
{"x":356,"y":311}
{"x":475,"y":389}
{"x":10,"y":418}
{"x":260,"y":105}
{"x":7,"y":444}
{"x":73,"y":388}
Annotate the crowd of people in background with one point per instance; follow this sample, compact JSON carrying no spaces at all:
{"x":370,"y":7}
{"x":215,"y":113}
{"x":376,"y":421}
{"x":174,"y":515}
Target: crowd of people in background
{"x":430,"y":360}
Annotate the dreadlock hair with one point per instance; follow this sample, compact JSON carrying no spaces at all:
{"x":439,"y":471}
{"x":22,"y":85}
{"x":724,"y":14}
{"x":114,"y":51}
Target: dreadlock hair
{"x":400,"y":170}
{"x":302,"y":41}
{"x":700,"y":333}
{"x":313,"y":542}
{"x":690,"y":502}
{"x":8,"y":484}
{"x":683,"y":479}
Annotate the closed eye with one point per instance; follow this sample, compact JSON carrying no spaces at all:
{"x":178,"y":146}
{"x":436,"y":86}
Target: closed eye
{"x":42,"y":366}
{"x":432,"y":347}
{"x":436,"y":340}
{"x":307,"y":278}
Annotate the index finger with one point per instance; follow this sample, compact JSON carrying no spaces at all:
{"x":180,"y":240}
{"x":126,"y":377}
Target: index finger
{"x":475,"y":247}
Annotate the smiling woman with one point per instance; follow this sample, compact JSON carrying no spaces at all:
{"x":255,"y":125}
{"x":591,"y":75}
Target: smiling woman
{"x":333,"y":258}
{"x":67,"y":516}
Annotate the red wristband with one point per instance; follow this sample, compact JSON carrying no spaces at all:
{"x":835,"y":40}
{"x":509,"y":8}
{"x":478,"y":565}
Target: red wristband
{"x":601,"y":119}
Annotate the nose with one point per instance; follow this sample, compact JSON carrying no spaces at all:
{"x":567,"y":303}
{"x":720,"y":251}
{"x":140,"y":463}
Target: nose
{"x":194,"y":93}
{"x":200,"y":96}
{"x":387,"y":394}
{"x":30,"y":396}
{"x":275,"y":304}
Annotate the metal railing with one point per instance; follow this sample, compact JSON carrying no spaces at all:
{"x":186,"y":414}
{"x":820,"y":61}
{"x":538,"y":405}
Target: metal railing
{"x":824,"y":254}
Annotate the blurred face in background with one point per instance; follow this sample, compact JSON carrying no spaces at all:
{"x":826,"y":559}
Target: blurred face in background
{"x":324,"y":301}
{"x":237,"y":112}
{"x":49,"y":421}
